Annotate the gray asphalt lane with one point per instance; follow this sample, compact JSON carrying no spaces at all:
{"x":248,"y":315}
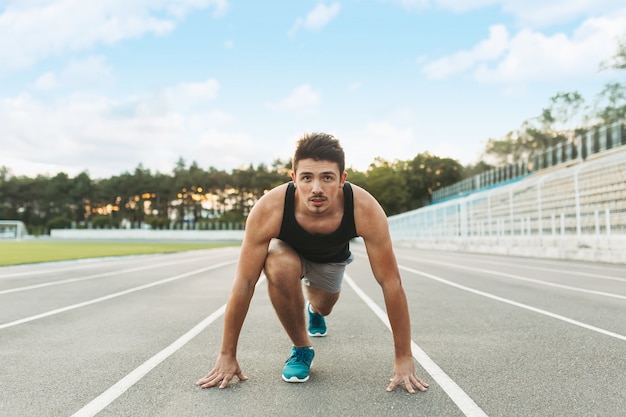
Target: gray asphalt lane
{"x":513,"y":361}
{"x":509,"y":360}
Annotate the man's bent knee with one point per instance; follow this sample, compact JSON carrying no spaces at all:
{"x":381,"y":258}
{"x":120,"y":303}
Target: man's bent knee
{"x":322,"y":301}
{"x":282,"y":263}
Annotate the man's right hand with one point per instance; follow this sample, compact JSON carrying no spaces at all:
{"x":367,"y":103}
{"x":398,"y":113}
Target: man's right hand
{"x":224,"y":370}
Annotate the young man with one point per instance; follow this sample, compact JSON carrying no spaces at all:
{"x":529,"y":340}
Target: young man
{"x":297,"y":233}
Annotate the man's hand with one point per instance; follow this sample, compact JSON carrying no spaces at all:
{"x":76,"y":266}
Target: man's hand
{"x":224,"y":371}
{"x":404,"y":373}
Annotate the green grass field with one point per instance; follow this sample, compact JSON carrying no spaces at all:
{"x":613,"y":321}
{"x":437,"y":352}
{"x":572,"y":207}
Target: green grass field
{"x":28,"y":251}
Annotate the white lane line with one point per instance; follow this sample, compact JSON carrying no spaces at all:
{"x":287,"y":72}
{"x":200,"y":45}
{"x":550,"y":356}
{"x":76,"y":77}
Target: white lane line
{"x":55,"y":266}
{"x":88,"y":277}
{"x":467,"y":406}
{"x":110,"y":296}
{"x":535,"y":268}
{"x":107,"y":397}
{"x":563,"y":271}
{"x":43,"y":271}
{"x":516,"y":304}
{"x":535,"y":281}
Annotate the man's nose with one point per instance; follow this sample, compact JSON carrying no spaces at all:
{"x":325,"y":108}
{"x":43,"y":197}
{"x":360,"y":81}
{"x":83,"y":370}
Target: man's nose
{"x":317,"y":186}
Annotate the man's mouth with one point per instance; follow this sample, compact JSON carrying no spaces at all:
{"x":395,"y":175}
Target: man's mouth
{"x":317,"y":200}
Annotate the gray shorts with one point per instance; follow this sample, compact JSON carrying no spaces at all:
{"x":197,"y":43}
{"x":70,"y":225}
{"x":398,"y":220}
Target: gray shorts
{"x":327,"y":277}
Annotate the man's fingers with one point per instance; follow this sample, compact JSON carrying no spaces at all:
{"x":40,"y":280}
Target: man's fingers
{"x":212,"y":380}
{"x":414,"y":382}
{"x":226,"y":381}
{"x":421,"y":385}
{"x":410,"y":383}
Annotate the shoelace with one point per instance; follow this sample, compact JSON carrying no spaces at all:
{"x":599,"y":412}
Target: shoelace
{"x":298,"y":355}
{"x":316,"y":320}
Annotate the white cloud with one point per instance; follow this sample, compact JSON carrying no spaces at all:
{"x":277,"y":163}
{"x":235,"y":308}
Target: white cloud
{"x":531,"y":55}
{"x":194,"y":92}
{"x":319,"y":17}
{"x":86,"y":73}
{"x":32,"y":31}
{"x":90,"y":68}
{"x":534,"y":56}
{"x":459,"y":6}
{"x":410,"y":4}
{"x":184,"y":97}
{"x":382,"y":139}
{"x":46,"y":81}
{"x":541,"y":13}
{"x":487,"y":50}
{"x":303,"y":99}
{"x":107,"y":137}
{"x":534,"y":13}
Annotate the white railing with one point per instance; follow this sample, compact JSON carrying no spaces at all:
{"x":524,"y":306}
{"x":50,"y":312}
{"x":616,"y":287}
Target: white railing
{"x":595,"y":140}
{"x":575,"y":207}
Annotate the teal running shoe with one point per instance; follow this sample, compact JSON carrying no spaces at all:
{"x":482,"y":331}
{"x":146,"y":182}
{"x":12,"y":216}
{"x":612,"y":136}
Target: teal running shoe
{"x":317,"y":323}
{"x":298,"y":366}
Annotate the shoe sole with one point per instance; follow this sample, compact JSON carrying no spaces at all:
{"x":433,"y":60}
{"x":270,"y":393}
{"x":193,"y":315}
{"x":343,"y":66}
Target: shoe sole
{"x":295,"y":379}
{"x":316,"y":334}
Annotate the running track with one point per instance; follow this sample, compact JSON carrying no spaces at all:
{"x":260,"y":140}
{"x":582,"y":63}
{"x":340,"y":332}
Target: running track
{"x":494,"y":336}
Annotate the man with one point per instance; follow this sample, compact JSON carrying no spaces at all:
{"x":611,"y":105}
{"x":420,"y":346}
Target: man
{"x":299,"y":232}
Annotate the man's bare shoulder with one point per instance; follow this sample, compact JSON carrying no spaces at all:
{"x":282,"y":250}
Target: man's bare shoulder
{"x":274,"y":197}
{"x":267,"y":214}
{"x":363,"y":199}
{"x":369,"y":216}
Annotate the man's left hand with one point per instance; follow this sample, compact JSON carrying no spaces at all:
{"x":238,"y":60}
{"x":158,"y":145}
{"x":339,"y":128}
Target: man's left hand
{"x":404,"y":373}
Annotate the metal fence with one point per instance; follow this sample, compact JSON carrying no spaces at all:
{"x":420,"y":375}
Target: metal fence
{"x":587,"y":199}
{"x":593,"y":142}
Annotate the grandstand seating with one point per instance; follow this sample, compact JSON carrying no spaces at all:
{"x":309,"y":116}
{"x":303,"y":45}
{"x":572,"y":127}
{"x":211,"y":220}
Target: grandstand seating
{"x":580,"y":204}
{"x":594,"y":142}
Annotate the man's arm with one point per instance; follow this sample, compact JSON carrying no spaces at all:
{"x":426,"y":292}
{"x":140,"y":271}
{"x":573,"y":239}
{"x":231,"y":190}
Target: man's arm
{"x":226,"y":366}
{"x":260,"y":228}
{"x":372,"y":226}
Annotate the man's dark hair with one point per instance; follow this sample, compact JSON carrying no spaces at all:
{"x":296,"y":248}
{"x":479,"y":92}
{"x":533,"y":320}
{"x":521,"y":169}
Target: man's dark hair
{"x":319,"y":147}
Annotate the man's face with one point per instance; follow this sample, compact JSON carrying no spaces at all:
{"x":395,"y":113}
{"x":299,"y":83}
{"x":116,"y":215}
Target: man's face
{"x":318,"y":184}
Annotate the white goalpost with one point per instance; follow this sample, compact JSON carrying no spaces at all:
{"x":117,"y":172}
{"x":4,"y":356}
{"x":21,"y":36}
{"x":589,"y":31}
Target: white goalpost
{"x":12,"y":230}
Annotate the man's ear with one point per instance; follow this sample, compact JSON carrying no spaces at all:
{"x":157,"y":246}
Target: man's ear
{"x":344,"y":176}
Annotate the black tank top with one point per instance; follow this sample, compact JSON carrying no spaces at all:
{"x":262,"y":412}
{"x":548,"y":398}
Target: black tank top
{"x":320,"y":248}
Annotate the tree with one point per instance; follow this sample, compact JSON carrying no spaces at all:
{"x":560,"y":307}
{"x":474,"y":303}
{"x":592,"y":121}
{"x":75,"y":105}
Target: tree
{"x":426,"y":173}
{"x":561,"y":121}
{"x":475,"y":169}
{"x":618,"y":61}
{"x":357,"y":177}
{"x":56,"y":196}
{"x":388,"y":186}
{"x":611,"y":103}
{"x":564,"y":110}
{"x":80,"y":196}
{"x":5,"y":175}
{"x":500,"y":151}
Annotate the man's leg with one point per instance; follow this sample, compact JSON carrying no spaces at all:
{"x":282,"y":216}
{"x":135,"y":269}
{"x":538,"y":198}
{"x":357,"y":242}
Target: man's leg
{"x":322,"y":302}
{"x":283,"y":269}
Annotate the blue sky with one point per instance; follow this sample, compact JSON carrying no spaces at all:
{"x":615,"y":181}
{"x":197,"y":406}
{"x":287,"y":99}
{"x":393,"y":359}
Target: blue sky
{"x":103,"y":86}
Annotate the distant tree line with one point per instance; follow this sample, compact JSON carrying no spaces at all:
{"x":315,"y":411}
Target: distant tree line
{"x":194,"y":197}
